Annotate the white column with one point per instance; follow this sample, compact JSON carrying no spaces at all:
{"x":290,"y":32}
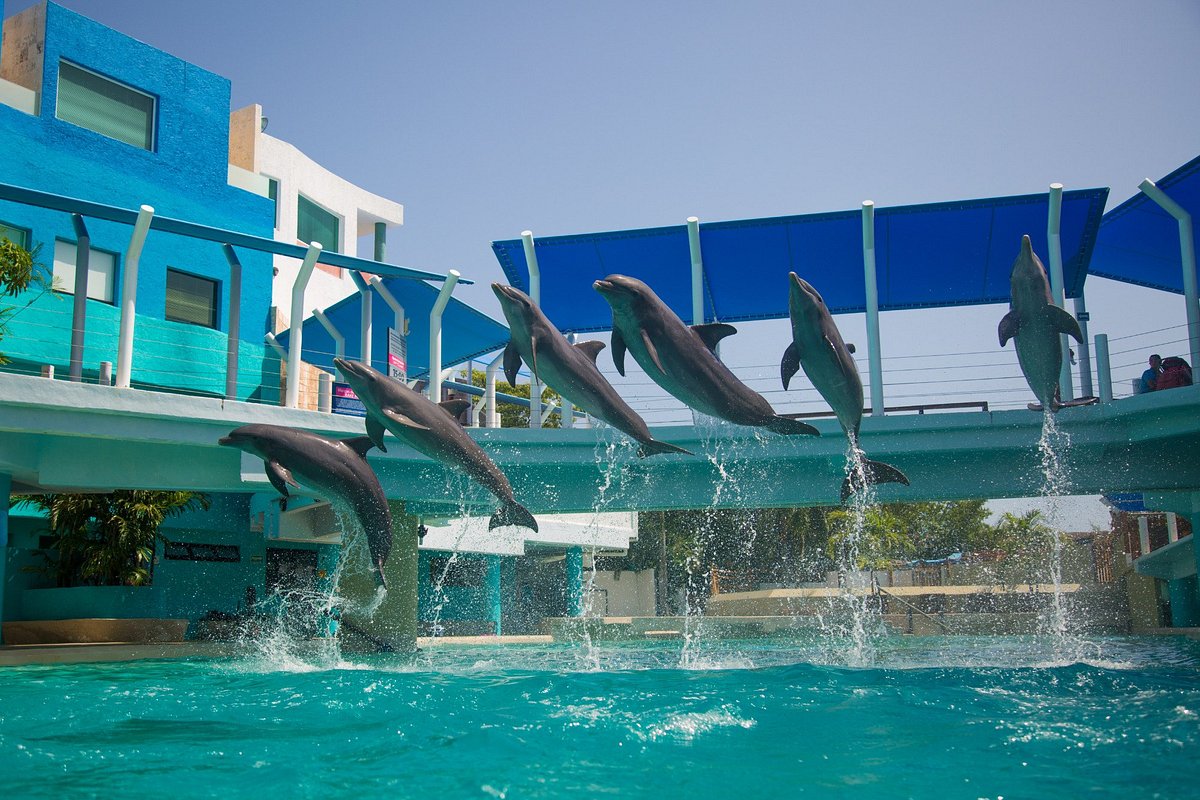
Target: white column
{"x":1065,"y":389}
{"x":1172,"y":528}
{"x":296,"y":334}
{"x":535,"y":294}
{"x":129,"y":296}
{"x":339,"y":341}
{"x":435,"y":335}
{"x":693,"y":227}
{"x":874,"y":359}
{"x":1187,"y":252}
{"x":1143,"y":534}
{"x":493,"y":414}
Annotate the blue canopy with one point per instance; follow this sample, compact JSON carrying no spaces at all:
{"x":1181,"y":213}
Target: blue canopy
{"x":1139,"y":241}
{"x":466,"y":332}
{"x":927,"y":256}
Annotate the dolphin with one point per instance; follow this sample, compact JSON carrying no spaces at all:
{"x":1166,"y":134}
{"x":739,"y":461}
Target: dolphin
{"x":336,"y":469}
{"x":433,"y":429}
{"x":569,"y":369}
{"x":817,"y":346}
{"x":1035,"y":322}
{"x":682,"y":359}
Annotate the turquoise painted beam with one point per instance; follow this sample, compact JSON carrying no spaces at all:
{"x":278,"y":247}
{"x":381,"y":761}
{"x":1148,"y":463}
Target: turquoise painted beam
{"x":194,"y":230}
{"x":54,"y":433}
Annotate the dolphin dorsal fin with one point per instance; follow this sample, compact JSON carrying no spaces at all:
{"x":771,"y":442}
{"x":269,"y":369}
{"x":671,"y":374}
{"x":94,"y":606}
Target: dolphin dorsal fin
{"x":618,"y":351}
{"x":454,"y":407}
{"x":512,"y":362}
{"x":590,"y":349}
{"x":359,"y":444}
{"x":712,"y":333}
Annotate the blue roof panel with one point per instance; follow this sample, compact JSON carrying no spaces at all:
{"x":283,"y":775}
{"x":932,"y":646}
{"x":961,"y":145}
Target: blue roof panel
{"x":927,"y":256}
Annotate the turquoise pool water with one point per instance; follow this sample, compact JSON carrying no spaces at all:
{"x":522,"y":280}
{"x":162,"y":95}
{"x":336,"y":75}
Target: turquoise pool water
{"x":929,"y":718}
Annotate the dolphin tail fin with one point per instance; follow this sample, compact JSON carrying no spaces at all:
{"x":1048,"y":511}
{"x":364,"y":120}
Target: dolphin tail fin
{"x":513,"y":513}
{"x":792,"y":427}
{"x":654,"y":447}
{"x":1057,"y":404}
{"x":875,"y":472}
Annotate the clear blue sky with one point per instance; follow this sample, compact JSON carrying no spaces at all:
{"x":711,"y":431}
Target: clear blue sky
{"x":485,"y":118}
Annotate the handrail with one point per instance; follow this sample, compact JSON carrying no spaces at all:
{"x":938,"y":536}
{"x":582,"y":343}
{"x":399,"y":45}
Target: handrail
{"x":920,"y":409}
{"x":880,"y":590}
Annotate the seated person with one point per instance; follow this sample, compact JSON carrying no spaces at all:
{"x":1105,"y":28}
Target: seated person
{"x":1149,"y":380}
{"x":1174,"y":372}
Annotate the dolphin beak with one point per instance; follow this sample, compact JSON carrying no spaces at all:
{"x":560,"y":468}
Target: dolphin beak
{"x":227,"y":441}
{"x":603,"y":286}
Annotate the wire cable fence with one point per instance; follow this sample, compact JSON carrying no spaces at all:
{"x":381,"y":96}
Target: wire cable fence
{"x":184,"y":359}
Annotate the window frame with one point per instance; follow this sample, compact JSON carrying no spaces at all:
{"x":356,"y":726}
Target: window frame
{"x":26,"y":232}
{"x":70,"y":290}
{"x":337,"y":244}
{"x":152,"y":146}
{"x":216,"y":301}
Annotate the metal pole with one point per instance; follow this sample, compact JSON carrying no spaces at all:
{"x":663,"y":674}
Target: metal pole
{"x":83,"y":249}
{"x":435,"y":335}
{"x":129,"y":296}
{"x":1103,"y":368}
{"x":1187,"y":252}
{"x":568,"y":408}
{"x":295,"y":343}
{"x":1065,"y":389}
{"x":1085,"y":348}
{"x":325,"y":392}
{"x":235,"y":323}
{"x":693,"y":227}
{"x":380,"y":241}
{"x":393,"y":303}
{"x":535,"y":294}
{"x":339,"y":341}
{"x":270,"y":339}
{"x":365,"y":325}
{"x":872,"y":292}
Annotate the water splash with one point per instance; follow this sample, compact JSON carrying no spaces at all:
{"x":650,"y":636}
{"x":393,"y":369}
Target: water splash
{"x":1054,"y":455}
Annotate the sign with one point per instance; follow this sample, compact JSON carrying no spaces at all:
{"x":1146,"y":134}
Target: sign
{"x":345,"y":401}
{"x":397,"y":355}
{"x":1083,"y":316}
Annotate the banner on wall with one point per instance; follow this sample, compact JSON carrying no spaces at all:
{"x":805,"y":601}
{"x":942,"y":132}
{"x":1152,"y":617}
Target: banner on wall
{"x":397,"y":355}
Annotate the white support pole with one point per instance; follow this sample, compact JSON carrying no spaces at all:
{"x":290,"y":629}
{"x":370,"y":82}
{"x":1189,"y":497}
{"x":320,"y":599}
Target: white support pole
{"x":1143,"y":534}
{"x":568,"y":408}
{"x":270,"y":339}
{"x":872,"y":295}
{"x":435,"y":335}
{"x":1103,"y":368}
{"x":1085,"y":348}
{"x":325,"y":393}
{"x":129,"y":296}
{"x":1172,"y":528}
{"x":1187,"y":252}
{"x":365,"y":324}
{"x":1065,"y":389}
{"x":535,"y":294}
{"x":339,"y":341}
{"x":693,"y":226}
{"x":489,"y":392}
{"x":548,"y":411}
{"x":393,"y":303}
{"x":296,"y":334}
{"x":233,"y":335}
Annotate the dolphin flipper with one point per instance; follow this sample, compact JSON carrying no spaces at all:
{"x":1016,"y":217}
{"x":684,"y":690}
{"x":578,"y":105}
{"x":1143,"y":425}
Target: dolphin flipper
{"x":280,"y":477}
{"x":375,"y":431}
{"x":652,"y":351}
{"x":1008,"y":327}
{"x":513,"y":513}
{"x":791,"y":427}
{"x":512,"y":363}
{"x":790,"y":364}
{"x":403,"y":421}
{"x":1063,"y":322}
{"x":876,"y":472}
{"x":618,"y":351}
{"x":654,"y":447}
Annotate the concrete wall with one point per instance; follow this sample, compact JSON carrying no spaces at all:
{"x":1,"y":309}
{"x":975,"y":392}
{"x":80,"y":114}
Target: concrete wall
{"x":185,"y":176}
{"x":623,"y":594}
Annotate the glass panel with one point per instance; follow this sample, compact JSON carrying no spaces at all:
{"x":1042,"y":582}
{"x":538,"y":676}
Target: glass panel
{"x":315,"y":224}
{"x":102,"y":270}
{"x":273,"y":193}
{"x":191,"y":299}
{"x":18,"y":236}
{"x":105,"y":106}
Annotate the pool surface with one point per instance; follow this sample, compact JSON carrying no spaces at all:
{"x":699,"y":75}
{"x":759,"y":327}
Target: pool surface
{"x":926,"y":718}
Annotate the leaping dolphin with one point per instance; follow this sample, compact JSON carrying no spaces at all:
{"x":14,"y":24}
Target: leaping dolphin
{"x":682,"y":359}
{"x":1035,"y":322}
{"x":817,"y":346}
{"x":335,"y":469}
{"x":433,"y":429}
{"x":569,"y":369}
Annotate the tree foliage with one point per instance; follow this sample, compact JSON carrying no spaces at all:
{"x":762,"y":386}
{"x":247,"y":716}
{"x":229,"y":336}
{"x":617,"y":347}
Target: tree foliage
{"x":512,"y":416}
{"x":107,"y":539}
{"x":19,"y":271}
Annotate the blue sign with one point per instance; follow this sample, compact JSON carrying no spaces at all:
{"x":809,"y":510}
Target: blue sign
{"x":345,"y":401}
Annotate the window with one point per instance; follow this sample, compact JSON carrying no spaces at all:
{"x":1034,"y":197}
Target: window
{"x":195,"y":551}
{"x":273,"y":193}
{"x":102,"y":270}
{"x":102,"y":105}
{"x":18,"y":236}
{"x":315,"y":224}
{"x":191,"y":298}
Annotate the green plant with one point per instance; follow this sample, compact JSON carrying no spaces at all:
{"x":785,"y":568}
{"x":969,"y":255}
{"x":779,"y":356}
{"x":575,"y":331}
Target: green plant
{"x":107,"y":539}
{"x":19,"y":270}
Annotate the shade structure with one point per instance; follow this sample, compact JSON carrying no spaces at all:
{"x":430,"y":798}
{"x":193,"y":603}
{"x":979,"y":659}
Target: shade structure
{"x":1139,"y":241}
{"x":927,"y":256}
{"x":466,"y":331}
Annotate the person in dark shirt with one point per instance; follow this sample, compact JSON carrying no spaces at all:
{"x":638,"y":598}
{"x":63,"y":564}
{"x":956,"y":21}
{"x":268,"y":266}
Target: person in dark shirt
{"x":1149,"y":380}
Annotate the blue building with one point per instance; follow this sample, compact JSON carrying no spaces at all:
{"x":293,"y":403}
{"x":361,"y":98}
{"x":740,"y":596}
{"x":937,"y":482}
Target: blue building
{"x":90,"y":113}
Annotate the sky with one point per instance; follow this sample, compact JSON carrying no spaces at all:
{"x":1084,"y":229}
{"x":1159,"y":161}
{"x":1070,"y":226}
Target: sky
{"x":485,"y":119}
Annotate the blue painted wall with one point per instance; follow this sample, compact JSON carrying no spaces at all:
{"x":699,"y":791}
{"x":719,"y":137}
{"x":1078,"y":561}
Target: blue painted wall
{"x":184,"y":177}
